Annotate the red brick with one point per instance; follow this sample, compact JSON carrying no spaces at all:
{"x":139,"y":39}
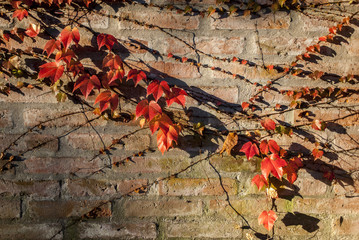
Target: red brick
{"x":61,"y":118}
{"x":9,"y":208}
{"x":196,"y":187}
{"x":5,"y":119}
{"x":65,"y":209}
{"x":41,"y":141}
{"x":210,"y":45}
{"x":142,"y":230}
{"x":36,"y":165}
{"x":42,"y":231}
{"x":42,"y":189}
{"x":95,"y":142}
{"x":160,"y":19}
{"x":204,"y":230}
{"x":148,"y":208}
{"x":7,"y":139}
{"x":278,"y":20}
{"x":349,"y":226}
{"x":93,"y":188}
{"x":150,"y":164}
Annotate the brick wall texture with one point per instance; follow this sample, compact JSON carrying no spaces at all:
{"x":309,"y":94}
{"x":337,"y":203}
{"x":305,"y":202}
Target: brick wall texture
{"x":61,"y":187}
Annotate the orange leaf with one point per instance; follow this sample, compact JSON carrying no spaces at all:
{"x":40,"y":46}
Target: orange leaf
{"x":20,"y":14}
{"x":273,"y":164}
{"x":107,"y":99}
{"x":318,"y":125}
{"x":245,"y":105}
{"x":317,"y":153}
{"x":268,"y":124}
{"x":33,"y":30}
{"x":229,"y":143}
{"x":260,"y":181}
{"x":267,"y":219}
{"x":148,"y":110}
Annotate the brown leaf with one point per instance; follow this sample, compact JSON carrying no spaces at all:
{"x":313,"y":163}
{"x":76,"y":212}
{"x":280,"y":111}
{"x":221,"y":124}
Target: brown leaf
{"x":229,"y":143}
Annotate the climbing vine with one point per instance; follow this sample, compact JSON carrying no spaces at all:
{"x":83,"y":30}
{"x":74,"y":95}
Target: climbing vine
{"x":69,"y":77}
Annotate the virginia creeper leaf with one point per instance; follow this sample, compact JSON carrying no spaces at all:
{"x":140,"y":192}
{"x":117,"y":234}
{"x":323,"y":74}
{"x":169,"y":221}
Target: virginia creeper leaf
{"x":106,"y":40}
{"x":67,"y":35}
{"x":136,"y":76}
{"x":157,"y":88}
{"x":148,"y":110}
{"x":176,"y":95}
{"x":260,"y":181}
{"x":107,"y":99}
{"x":273,"y":164}
{"x":20,"y":14}
{"x":33,"y":30}
{"x":267,"y":219}
{"x":250,"y":149}
{"x":317,"y":153}
{"x":86,"y":83}
{"x":51,"y":46}
{"x":268,"y":124}
{"x":52,"y":70}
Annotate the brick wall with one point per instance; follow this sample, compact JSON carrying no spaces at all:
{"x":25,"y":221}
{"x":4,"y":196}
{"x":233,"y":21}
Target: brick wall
{"x":58,"y":181}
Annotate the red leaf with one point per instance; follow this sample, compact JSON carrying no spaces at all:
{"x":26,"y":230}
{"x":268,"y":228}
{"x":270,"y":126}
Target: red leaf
{"x":15,"y":4}
{"x":244,"y":62}
{"x":76,"y":68}
{"x":333,"y":30}
{"x":268,"y":124}
{"x":318,"y":125}
{"x":67,"y":35}
{"x":273,"y":146}
{"x":106,"y":40}
{"x":161,"y":121}
{"x":112,"y":61}
{"x":317,"y":153}
{"x":107,"y":99}
{"x":20,"y":14}
{"x":273,"y":164}
{"x":264,"y":147}
{"x":260,"y":181}
{"x":170,"y":55}
{"x":165,"y":140}
{"x":51,"y":46}
{"x":323,"y":39}
{"x":86,"y":84}
{"x":148,"y":110}
{"x":291,"y":171}
{"x":33,"y":30}
{"x":267,"y":219}
{"x":136,"y":76}
{"x":234,"y":59}
{"x":250,"y":149}
{"x":157,"y":88}
{"x":329,"y":175}
{"x":245,"y":105}
{"x":184,"y":59}
{"x":52,"y":70}
{"x":65,"y":55}
{"x":176,"y":95}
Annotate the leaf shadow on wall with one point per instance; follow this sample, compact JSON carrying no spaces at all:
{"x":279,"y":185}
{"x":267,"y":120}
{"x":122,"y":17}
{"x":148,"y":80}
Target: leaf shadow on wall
{"x":308,"y":223}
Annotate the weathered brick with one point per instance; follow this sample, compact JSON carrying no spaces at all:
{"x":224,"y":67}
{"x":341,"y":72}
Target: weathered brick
{"x":42,"y":231}
{"x":197,"y":187}
{"x":219,"y":95}
{"x":40,"y":189}
{"x":353,"y":47}
{"x":9,"y":208}
{"x":34,"y":95}
{"x":326,"y":205}
{"x":59,"y":118}
{"x":210,"y":45}
{"x":278,"y":20}
{"x":204,"y":229}
{"x":142,"y":230}
{"x":35,"y":141}
{"x":49,"y":165}
{"x":65,"y":209}
{"x":148,"y":208}
{"x":6,"y":119}
{"x":91,"y":188}
{"x":284,"y":46}
{"x":347,"y":226}
{"x":95,"y":142}
{"x":160,"y":19}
